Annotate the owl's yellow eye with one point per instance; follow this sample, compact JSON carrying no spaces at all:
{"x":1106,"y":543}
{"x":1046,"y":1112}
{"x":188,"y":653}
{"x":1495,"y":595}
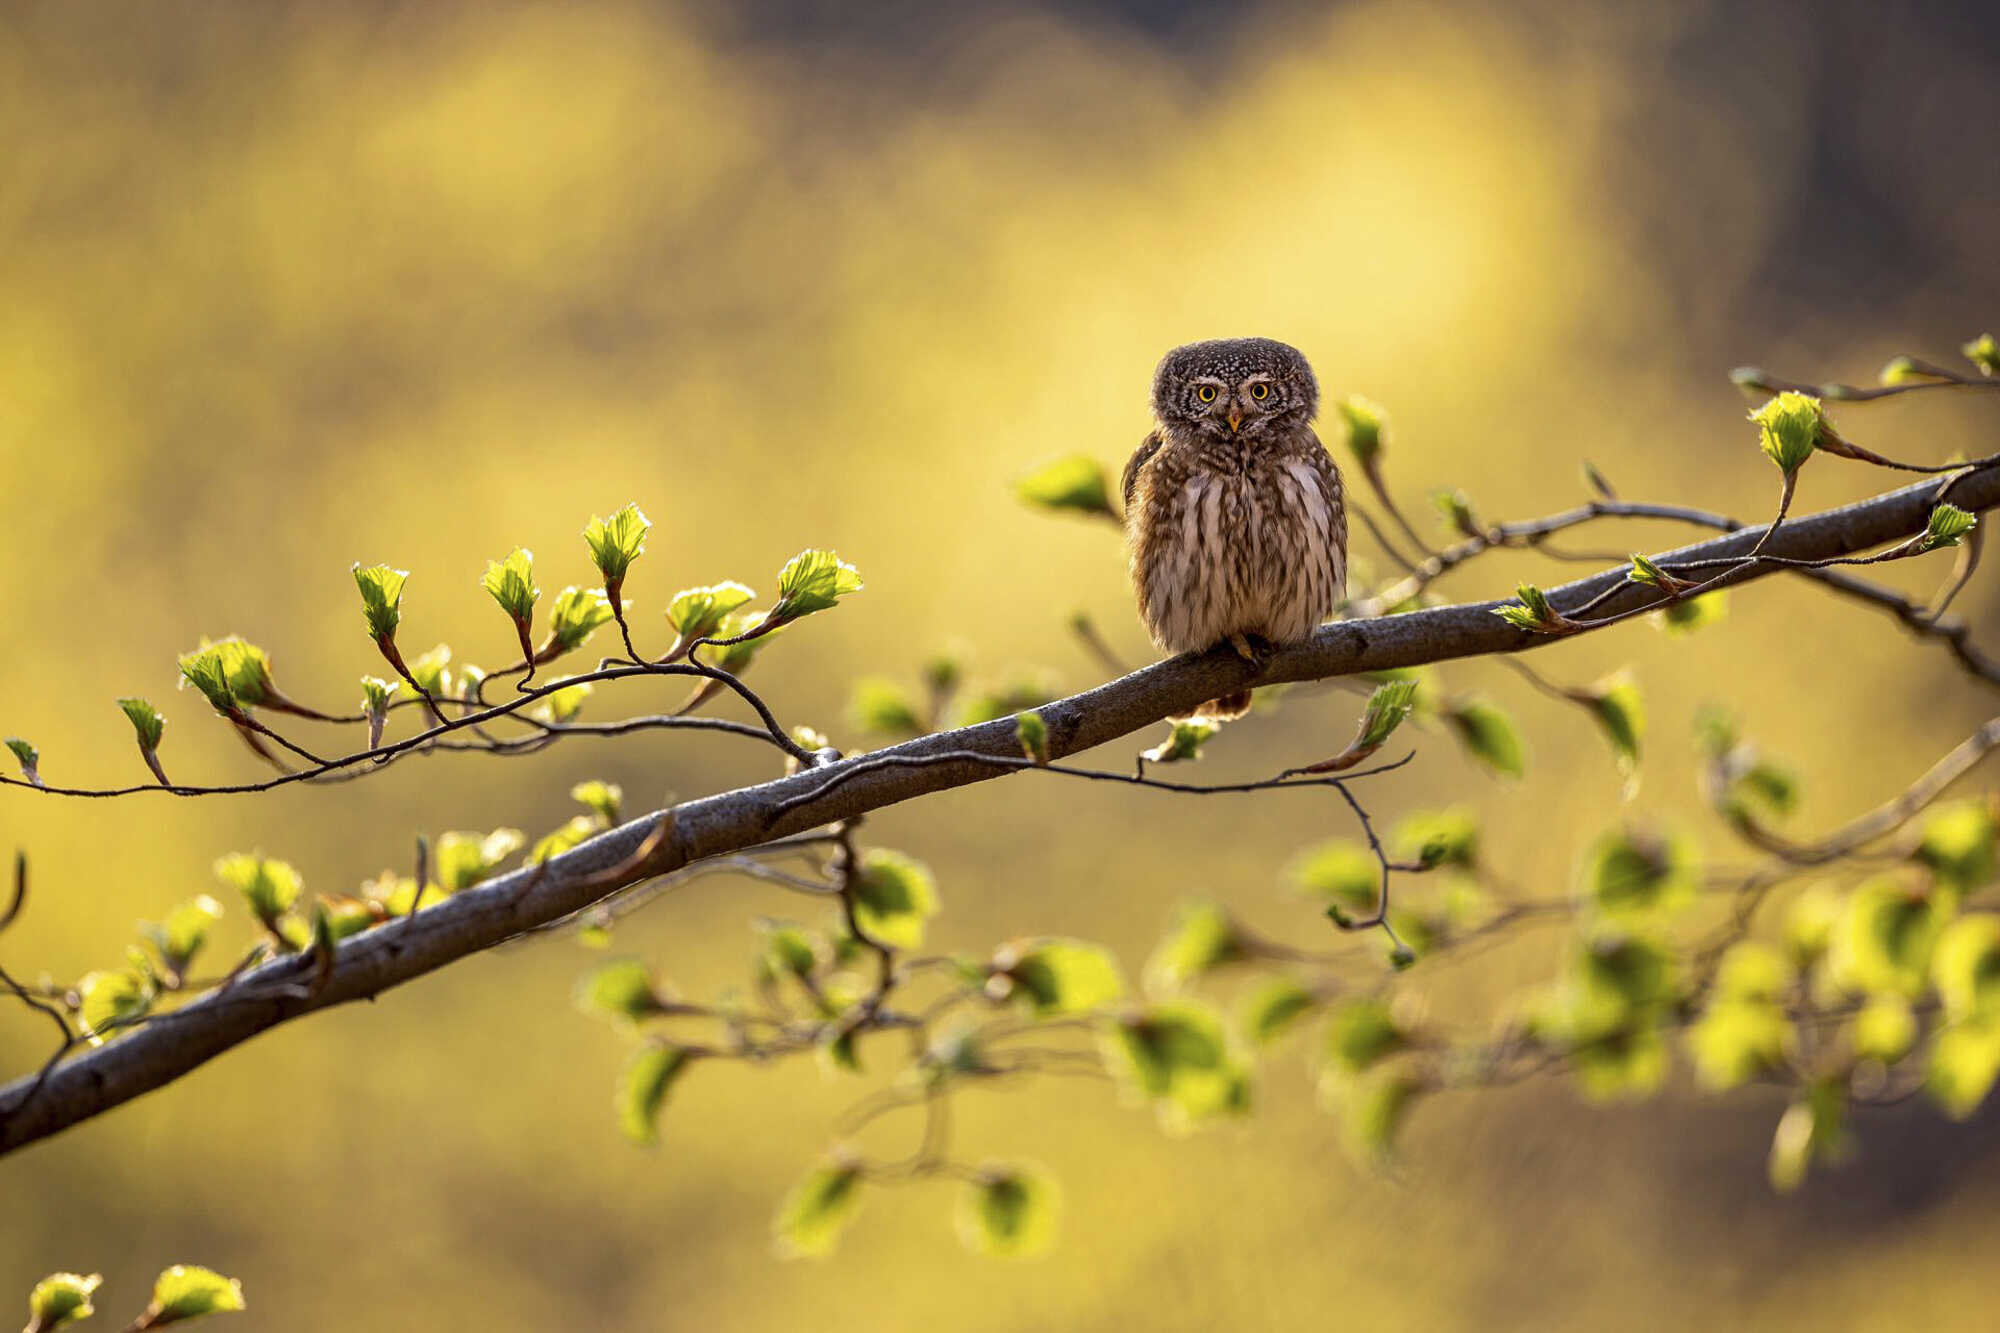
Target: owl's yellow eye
{"x":1206,"y":393}
{"x":1260,"y":391}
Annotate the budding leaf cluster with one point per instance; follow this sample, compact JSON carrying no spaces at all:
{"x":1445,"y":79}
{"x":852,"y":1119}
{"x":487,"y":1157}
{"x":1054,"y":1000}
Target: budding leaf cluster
{"x":575,"y":616}
{"x":1790,"y":426}
{"x":697,"y":613}
{"x":1984,"y":353}
{"x":511,"y":583}
{"x":381,"y":598}
{"x":812,"y":581}
{"x":1948,"y":526}
{"x":615,"y":543}
{"x":1532,"y":612}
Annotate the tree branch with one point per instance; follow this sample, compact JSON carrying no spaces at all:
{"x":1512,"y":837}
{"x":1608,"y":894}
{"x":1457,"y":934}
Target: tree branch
{"x":173,"y":1044}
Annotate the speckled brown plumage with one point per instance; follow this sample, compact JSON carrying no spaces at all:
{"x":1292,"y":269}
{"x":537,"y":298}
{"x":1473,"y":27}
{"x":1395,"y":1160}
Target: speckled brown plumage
{"x":1233,"y":509}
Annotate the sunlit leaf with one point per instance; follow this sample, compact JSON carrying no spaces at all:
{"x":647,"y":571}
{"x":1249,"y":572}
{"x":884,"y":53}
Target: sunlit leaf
{"x":1632,"y":874}
{"x":1008,"y":1211}
{"x":1623,"y":1065}
{"x":108,"y":1000}
{"x":1488,"y":735}
{"x":246,"y":667}
{"x":1753,"y":970}
{"x":181,"y":936}
{"x":1789,"y":428}
{"x":1184,"y":741}
{"x":622,"y":990}
{"x":27,"y":756}
{"x":697,"y":613}
{"x":882,"y":705}
{"x":1076,"y":482}
{"x":432,"y":671}
{"x":203,"y":669}
{"x":511,"y":583}
{"x":381,"y":598}
{"x":269,"y":887}
{"x":1033,"y":734}
{"x":1372,"y":1109}
{"x":1966,"y":966}
{"x":811,"y":581}
{"x":1059,"y":976}
{"x":61,"y":1298}
{"x":616,"y":542}
{"x":1685,"y":615}
{"x":642,"y":1090}
{"x":572,"y":833}
{"x":817,"y":1209}
{"x":1947,"y":527}
{"x":147,"y":722}
{"x":186,"y":1292}
{"x":893,"y":897}
{"x":1438,"y":838}
{"x":1177,"y":1056}
{"x":1884,"y":1029}
{"x":1366,"y":427}
{"x":1203,"y":937}
{"x":1812,"y":1128}
{"x":1984,"y":353}
{"x":461,"y":860}
{"x":1884,"y":938}
{"x":604,"y":799}
{"x":1961,"y":845}
{"x":1735,"y":1040}
{"x":561,"y":706}
{"x":1359,"y":1033}
{"x":1274,"y":1008}
{"x":576,"y":614}
{"x":1965,"y":1060}
{"x":1341,"y":872}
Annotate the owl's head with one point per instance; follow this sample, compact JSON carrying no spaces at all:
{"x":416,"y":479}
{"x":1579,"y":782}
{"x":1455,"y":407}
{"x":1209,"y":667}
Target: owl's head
{"x":1235,"y":388}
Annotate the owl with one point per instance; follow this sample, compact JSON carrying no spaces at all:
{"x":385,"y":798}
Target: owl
{"x":1233,"y":510}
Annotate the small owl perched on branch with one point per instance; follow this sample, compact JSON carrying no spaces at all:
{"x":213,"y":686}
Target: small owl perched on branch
{"x":1233,"y":509}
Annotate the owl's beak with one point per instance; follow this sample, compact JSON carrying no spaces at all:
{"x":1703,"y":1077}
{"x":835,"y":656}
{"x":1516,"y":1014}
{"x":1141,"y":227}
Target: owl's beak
{"x":1235,"y":418}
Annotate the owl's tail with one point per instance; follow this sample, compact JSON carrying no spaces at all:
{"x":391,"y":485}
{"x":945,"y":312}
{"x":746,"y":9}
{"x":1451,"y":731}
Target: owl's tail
{"x":1226,"y":709}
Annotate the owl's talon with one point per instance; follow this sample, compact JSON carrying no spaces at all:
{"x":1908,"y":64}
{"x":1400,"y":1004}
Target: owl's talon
{"x":1256,"y":651}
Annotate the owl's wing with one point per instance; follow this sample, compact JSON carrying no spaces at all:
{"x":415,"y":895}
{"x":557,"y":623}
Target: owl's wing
{"x":1147,"y":448}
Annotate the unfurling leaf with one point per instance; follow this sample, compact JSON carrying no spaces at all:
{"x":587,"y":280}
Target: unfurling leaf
{"x":27,"y":756}
{"x":1033,"y":734}
{"x":1367,"y":429}
{"x":1184,"y":741}
{"x":59,"y":1299}
{"x":203,"y":669}
{"x":461,"y":860}
{"x":818,"y":1209}
{"x":1533,"y":613}
{"x":605,"y":799}
{"x":812,"y":581}
{"x":186,"y":1292}
{"x":1687,"y":614}
{"x":1203,"y":938}
{"x":893,"y":897}
{"x":1439,"y":838}
{"x":1343,"y":873}
{"x":1646,"y":572}
{"x":1632,"y":875}
{"x":1077,"y":483}
{"x":1984,"y":353}
{"x":789,"y":951}
{"x":1456,"y":508}
{"x":511,"y":583}
{"x":1008,"y":1212}
{"x":181,"y":936}
{"x":1372,"y":1108}
{"x":697,"y":613}
{"x":575,"y":616}
{"x":1619,"y":710}
{"x":642,"y":1090}
{"x":109,"y":1000}
{"x":1948,"y":526}
{"x":622,"y":990}
{"x":1274,"y":1008}
{"x":432,"y":672}
{"x":1885,"y":1029}
{"x":381,"y":598}
{"x":1056,"y":977}
{"x":1790,"y":426}
{"x":1360,"y":1033}
{"x":1178,"y":1057}
{"x":563,"y":705}
{"x":881,"y":705}
{"x":1904,"y":370}
{"x":1388,"y":707}
{"x":1488,"y":735}
{"x":615,"y":543}
{"x":269,"y":887}
{"x":571,"y":833}
{"x":147,"y":722}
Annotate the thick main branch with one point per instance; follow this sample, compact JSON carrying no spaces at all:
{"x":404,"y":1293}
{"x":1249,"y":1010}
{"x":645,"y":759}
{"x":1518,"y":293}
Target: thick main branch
{"x":173,"y":1044}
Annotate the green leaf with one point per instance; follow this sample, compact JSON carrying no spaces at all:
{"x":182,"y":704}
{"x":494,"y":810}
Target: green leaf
{"x":893,"y":897}
{"x":1884,"y":939}
{"x":147,"y":721}
{"x":1202,"y":938}
{"x":1813,"y":1127}
{"x":605,"y":799}
{"x":881,"y":705}
{"x":1753,"y":970}
{"x":1645,"y":571}
{"x":381,"y":598}
{"x":109,"y":1000}
{"x":1885,"y":1029}
{"x":1961,"y":845}
{"x":1688,"y":614}
{"x":1623,"y":1065}
{"x":572,"y":833}
{"x":1388,"y":707}
{"x":1455,"y":507}
{"x":186,"y":1292}
{"x":818,"y":1209}
{"x":432,"y":672}
{"x":511,"y":583}
{"x":1789,"y":428}
{"x":789,"y":951}
{"x":562,"y":705}
{"x":27,"y":756}
{"x":1076,"y":482}
{"x":1531,"y":611}
{"x":1632,"y":875}
{"x":576,"y":615}
{"x":1966,"y":966}
{"x":1373,"y":1109}
{"x":461,"y":860}
{"x":61,"y":1298}
{"x":697,"y":613}
{"x":1488,"y":735}
{"x":1735,"y":1040}
{"x":376,"y":693}
{"x":811,"y":581}
{"x":246,"y":667}
{"x":616,"y":542}
{"x":1177,"y":1056}
{"x":1984,"y":353}
{"x":347,"y":916}
{"x":1810,"y":922}
{"x":642,"y":1090}
{"x":1008,"y":1212}
{"x":203,"y":669}
{"x":1948,"y":526}
{"x":1965,"y":1060}
{"x":1033,"y":734}
{"x":1339,"y":871}
{"x":1059,"y":976}
{"x":181,"y":936}
{"x":1366,"y":427}
{"x":622,"y":990}
{"x":737,"y":656}
{"x":1620,"y":712}
{"x":1274,"y":1008}
{"x":1438,"y":838}
{"x":1359,"y":1034}
{"x":1184,"y":741}
{"x":269,"y":887}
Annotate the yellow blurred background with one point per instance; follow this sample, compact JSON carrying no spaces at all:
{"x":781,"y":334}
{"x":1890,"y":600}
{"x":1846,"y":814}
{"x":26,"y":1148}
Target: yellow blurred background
{"x":286,"y":286}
